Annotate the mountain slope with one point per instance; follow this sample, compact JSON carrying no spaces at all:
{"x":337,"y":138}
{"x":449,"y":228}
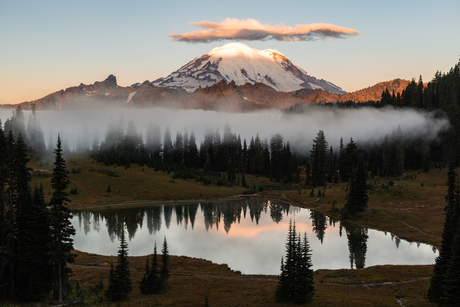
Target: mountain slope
{"x":106,"y":91}
{"x":374,"y":93}
{"x":242,"y":64}
{"x":221,"y":96}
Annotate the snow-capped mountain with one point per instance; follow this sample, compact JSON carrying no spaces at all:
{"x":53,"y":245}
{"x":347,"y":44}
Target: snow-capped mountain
{"x":242,"y":64}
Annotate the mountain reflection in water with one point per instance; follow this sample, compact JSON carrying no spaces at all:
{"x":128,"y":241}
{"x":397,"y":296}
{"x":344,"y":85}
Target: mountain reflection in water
{"x":249,"y":235}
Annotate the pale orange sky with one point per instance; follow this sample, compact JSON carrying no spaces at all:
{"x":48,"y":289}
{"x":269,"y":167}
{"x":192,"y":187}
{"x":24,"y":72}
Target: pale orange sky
{"x":51,"y":45}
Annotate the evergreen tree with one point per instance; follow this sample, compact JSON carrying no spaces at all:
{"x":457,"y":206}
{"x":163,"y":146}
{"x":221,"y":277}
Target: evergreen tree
{"x":296,"y":281}
{"x":305,"y":285}
{"x":393,"y":154}
{"x":164,"y":271}
{"x":318,"y":155}
{"x":167,"y":146}
{"x":276,"y":153}
{"x":3,"y":181}
{"x":120,"y":283}
{"x":436,"y":292}
{"x":244,"y":162}
{"x":451,"y":283}
{"x":144,"y":286}
{"x":33,"y":234}
{"x":349,"y":159}
{"x":61,"y":227}
{"x":357,"y":196}
{"x":282,"y":288}
{"x":361,"y":185}
{"x":153,"y":143}
{"x":110,"y":292}
{"x":9,"y":243}
{"x":193,"y":158}
{"x":151,"y":282}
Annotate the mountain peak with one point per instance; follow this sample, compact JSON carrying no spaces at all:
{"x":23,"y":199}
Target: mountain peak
{"x":233,"y":48}
{"x":242,"y":64}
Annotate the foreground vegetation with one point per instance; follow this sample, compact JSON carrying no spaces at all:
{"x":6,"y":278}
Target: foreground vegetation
{"x":193,"y":279}
{"x":407,"y":204}
{"x":410,"y":206}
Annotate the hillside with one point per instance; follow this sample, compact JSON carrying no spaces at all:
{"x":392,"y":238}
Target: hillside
{"x":222,"y":96}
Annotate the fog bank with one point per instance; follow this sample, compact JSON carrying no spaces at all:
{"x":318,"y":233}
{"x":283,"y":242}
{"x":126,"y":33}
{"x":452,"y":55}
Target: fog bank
{"x":365,"y":125}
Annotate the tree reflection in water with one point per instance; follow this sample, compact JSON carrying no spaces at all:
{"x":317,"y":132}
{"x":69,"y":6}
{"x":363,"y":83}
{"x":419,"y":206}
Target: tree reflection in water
{"x":213,"y":213}
{"x":229,"y":212}
{"x":319,"y":224}
{"x":357,"y":244}
{"x":249,"y":229}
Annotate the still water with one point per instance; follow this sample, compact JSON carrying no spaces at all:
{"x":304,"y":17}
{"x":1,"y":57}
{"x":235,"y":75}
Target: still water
{"x":249,"y":235}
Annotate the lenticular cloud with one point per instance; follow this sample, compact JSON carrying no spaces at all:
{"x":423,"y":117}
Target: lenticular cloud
{"x":252,"y":30}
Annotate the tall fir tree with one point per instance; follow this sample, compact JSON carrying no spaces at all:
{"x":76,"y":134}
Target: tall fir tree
{"x":436,"y":292}
{"x":164,"y":271}
{"x":151,"y":282}
{"x":296,"y":281}
{"x":304,"y":289}
{"x":35,"y":278}
{"x":357,"y":196}
{"x":62,"y":230}
{"x":120,"y":283}
{"x":318,"y":156}
{"x":451,"y":283}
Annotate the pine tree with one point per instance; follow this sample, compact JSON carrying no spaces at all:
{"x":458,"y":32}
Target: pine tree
{"x":151,"y":283}
{"x":120,"y":283}
{"x":144,"y":285}
{"x":357,"y":196}
{"x":167,"y":147}
{"x":361,"y":185}
{"x":9,"y":243}
{"x":451,"y":283}
{"x":436,"y":292}
{"x":349,"y":159}
{"x":282,"y":289}
{"x":61,"y":227}
{"x":276,"y":153}
{"x":110,"y":292}
{"x":305,"y":287}
{"x":33,"y":234}
{"x":296,"y":281}
{"x":154,"y":278}
{"x":164,"y":271}
{"x":3,"y":181}
{"x":318,"y":155}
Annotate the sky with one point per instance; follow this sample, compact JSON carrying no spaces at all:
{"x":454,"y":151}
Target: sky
{"x":49,"y":45}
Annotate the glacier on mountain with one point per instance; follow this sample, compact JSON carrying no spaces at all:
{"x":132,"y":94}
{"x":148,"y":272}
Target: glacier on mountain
{"x":242,"y":64}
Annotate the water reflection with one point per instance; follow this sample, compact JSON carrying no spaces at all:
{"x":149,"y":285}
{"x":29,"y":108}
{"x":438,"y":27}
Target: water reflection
{"x":357,"y":244}
{"x":319,"y":224}
{"x":249,"y":235}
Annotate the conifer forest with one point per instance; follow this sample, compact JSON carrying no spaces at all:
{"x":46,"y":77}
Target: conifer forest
{"x":36,"y":236}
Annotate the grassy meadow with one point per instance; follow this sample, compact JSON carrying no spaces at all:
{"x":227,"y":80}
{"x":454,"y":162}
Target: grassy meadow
{"x":411,"y":207}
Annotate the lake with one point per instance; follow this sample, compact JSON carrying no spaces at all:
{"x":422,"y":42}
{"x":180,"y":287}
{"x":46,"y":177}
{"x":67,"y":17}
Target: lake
{"x":249,"y":235}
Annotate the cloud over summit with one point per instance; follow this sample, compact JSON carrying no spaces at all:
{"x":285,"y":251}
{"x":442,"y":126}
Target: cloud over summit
{"x":252,"y":30}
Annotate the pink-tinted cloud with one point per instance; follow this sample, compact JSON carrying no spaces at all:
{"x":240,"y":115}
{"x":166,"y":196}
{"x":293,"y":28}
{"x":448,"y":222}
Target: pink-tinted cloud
{"x":252,"y":30}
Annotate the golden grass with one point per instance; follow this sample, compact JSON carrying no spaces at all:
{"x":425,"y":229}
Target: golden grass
{"x":129,"y":185}
{"x":408,"y":209}
{"x":194,"y":279}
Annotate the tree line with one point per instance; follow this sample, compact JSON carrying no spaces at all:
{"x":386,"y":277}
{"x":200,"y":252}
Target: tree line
{"x":216,"y":154}
{"x":35,"y":242}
